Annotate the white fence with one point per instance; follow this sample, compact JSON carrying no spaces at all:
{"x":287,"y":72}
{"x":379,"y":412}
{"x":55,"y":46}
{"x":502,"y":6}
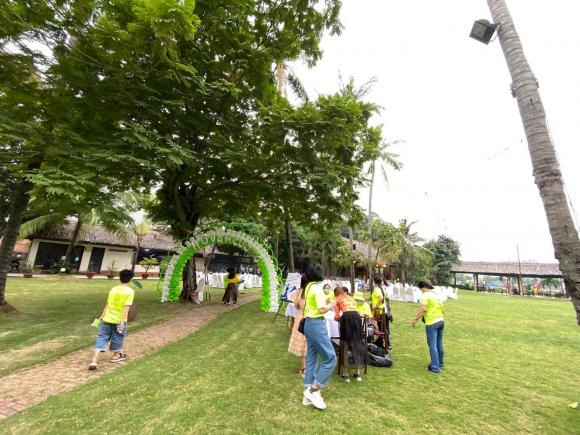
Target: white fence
{"x":407,"y":293}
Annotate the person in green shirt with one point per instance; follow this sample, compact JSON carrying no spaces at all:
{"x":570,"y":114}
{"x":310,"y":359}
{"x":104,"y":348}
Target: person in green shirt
{"x":113,"y":320}
{"x":432,"y":312}
{"x":318,"y":344}
{"x":381,"y":311}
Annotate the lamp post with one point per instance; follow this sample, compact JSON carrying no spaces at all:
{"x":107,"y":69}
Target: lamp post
{"x":546,"y":168}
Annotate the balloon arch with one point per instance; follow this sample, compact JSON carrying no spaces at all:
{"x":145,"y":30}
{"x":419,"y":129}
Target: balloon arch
{"x":171,"y":283}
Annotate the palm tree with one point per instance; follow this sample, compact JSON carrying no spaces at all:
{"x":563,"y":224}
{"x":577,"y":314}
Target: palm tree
{"x":411,"y":255}
{"x":384,"y":159}
{"x":140,"y":229}
{"x":547,"y":174}
{"x":285,"y":77}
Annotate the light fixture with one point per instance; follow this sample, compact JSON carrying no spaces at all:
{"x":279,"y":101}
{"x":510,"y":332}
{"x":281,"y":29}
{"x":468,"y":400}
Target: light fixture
{"x":482,"y":31}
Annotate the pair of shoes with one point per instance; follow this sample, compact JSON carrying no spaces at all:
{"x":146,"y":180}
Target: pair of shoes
{"x":357,"y":377}
{"x":93,"y":366}
{"x":345,"y":378}
{"x":121,"y":357}
{"x":314,"y":398}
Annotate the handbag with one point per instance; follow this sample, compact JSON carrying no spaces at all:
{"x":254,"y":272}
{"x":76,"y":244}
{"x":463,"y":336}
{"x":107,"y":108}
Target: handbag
{"x":303,"y":321}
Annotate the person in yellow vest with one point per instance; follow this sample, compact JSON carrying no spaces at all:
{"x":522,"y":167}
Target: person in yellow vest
{"x":432,"y":312}
{"x":231,"y":287}
{"x":362,"y":306}
{"x":318,"y":344}
{"x":113,"y":321}
{"x":380,"y":306}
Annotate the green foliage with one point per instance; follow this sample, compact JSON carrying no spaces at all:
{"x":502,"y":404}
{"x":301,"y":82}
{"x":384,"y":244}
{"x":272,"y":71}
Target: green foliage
{"x":446,"y":253}
{"x":149,"y":262}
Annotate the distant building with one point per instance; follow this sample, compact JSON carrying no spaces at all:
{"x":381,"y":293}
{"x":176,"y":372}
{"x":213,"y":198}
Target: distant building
{"x":98,"y":249}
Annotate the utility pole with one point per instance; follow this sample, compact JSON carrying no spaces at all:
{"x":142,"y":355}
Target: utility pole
{"x":547,"y":173}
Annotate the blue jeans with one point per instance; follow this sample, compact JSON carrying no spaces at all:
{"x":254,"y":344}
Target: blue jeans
{"x":435,"y":343}
{"x":108,"y":332}
{"x":318,"y":344}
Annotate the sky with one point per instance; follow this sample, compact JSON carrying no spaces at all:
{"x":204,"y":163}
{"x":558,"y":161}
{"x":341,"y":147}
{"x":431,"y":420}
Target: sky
{"x":467,"y":170}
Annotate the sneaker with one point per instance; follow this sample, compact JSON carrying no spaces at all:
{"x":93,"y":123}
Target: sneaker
{"x":345,"y":378}
{"x":306,"y":402}
{"x":357,"y":377}
{"x":315,"y":398}
{"x":121,"y":357}
{"x":432,"y":371}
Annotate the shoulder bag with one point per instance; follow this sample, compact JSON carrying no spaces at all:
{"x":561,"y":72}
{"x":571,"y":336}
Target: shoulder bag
{"x":303,"y":321}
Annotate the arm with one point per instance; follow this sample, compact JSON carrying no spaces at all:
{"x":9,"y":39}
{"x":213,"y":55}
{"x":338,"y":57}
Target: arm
{"x":420,"y":314}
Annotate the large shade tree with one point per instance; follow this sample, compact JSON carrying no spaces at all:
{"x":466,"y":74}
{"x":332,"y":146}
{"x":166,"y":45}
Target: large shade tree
{"x":69,"y":88}
{"x":446,"y":253}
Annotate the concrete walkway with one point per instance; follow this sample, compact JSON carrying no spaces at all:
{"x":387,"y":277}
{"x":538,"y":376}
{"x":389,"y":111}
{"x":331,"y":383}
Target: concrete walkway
{"x":33,"y":385}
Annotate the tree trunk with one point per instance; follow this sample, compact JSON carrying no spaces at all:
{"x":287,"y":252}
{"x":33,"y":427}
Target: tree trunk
{"x":189,"y":281}
{"x":289,"y":245}
{"x":137,"y":249}
{"x":370,"y":224}
{"x":547,"y":174}
{"x":277,"y":245}
{"x":11,"y":231}
{"x":73,"y":241}
{"x":351,"y":266}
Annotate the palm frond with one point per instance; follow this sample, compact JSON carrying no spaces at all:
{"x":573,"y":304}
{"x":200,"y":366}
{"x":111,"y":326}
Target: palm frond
{"x":297,"y":87}
{"x":37,"y":224}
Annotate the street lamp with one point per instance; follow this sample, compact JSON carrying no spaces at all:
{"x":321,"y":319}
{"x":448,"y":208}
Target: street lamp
{"x":482,"y":31}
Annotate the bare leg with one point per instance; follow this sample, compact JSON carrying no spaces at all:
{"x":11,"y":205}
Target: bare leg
{"x":95,"y":356}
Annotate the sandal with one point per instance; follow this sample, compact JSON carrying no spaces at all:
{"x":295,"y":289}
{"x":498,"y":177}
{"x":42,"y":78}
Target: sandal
{"x":301,"y":372}
{"x":121,"y":357}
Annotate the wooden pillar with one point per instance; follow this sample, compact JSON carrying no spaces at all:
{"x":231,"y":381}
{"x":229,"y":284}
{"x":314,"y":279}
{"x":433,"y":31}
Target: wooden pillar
{"x":455,"y":280}
{"x":475,"y":282}
{"x":521,"y":285}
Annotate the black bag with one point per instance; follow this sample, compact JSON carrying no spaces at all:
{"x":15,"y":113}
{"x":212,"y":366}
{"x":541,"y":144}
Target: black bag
{"x":303,"y":321}
{"x":301,"y":326}
{"x":378,"y":357}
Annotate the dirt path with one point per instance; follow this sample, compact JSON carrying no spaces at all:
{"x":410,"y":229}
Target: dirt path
{"x":32,"y":385}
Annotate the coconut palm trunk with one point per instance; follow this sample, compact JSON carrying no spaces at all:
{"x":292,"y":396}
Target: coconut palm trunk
{"x":547,"y":174}
{"x":370,"y":224}
{"x":351,"y":265}
{"x":73,"y":241}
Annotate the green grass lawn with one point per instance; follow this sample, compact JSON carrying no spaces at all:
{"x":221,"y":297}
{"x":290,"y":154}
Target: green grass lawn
{"x":511,"y":367}
{"x":54,"y":317}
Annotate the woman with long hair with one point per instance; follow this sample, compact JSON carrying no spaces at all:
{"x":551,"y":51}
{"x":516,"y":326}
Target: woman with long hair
{"x":351,"y":333}
{"x":318,"y":342}
{"x":297,"y":344}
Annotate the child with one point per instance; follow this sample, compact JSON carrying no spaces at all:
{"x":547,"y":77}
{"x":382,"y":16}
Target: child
{"x":113,"y":326}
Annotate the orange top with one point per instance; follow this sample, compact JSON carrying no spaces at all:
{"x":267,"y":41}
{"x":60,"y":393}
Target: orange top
{"x":344,"y":303}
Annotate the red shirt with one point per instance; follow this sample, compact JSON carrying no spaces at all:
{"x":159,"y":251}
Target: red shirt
{"x":343,"y":303}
